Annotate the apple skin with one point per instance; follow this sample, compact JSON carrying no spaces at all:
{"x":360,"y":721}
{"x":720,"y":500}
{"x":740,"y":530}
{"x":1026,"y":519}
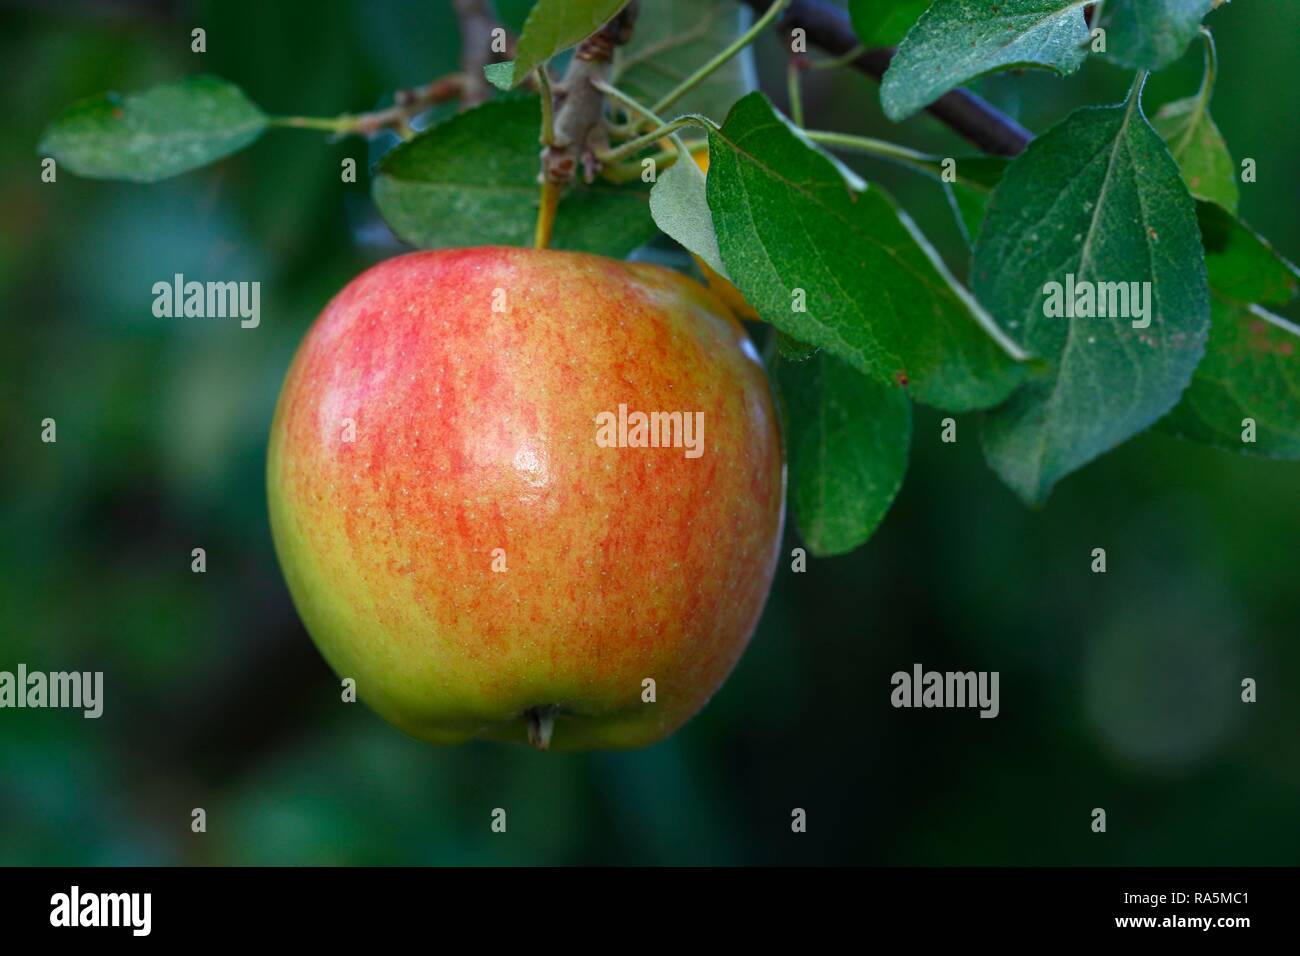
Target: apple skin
{"x":475,"y":430}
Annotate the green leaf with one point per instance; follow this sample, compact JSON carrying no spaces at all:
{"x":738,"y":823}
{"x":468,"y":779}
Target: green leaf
{"x":1099,"y":198}
{"x":884,"y":22}
{"x":555,"y":25}
{"x":1151,"y":34}
{"x":833,"y":263}
{"x":969,"y":196}
{"x":162,"y":132}
{"x":847,"y":439}
{"x":1251,"y":370}
{"x":1241,"y":264}
{"x":792,"y":350}
{"x":680,"y":207}
{"x":472,"y":180}
{"x":672,"y":39}
{"x":1199,"y":149}
{"x":1196,"y":143}
{"x":956,"y":41}
{"x":501,"y":75}
{"x":1251,"y":367}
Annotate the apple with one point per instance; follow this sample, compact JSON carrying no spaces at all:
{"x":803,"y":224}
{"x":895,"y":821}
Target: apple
{"x":476,"y":523}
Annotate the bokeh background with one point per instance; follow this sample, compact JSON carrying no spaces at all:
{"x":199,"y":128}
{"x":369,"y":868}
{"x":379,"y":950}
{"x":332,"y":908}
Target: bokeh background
{"x":1118,"y":690}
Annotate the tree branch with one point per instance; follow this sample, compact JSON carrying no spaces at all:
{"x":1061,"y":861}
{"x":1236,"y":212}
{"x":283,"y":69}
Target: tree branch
{"x":408,"y":104}
{"x":477,"y":21}
{"x":579,"y":106}
{"x":963,"y":112}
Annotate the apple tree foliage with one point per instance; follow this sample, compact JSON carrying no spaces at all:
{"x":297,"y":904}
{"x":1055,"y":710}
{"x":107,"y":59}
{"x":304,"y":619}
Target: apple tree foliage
{"x":867,"y":317}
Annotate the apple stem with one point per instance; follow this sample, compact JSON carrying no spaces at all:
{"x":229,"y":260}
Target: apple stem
{"x":551,"y":193}
{"x":541,"y":722}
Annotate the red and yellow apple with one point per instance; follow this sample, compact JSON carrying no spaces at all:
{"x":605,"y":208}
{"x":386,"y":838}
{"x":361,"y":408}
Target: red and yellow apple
{"x":457,"y":539}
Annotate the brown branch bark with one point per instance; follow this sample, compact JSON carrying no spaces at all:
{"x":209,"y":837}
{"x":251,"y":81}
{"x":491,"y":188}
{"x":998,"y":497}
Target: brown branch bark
{"x":963,"y":112}
{"x":408,"y":104}
{"x":579,"y":127}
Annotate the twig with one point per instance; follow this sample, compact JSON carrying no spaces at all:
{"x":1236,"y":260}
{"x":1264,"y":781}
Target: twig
{"x":961,"y":111}
{"x":926,"y":163}
{"x":634,"y":146}
{"x":543,"y":78}
{"x":579,"y":106}
{"x":477,"y":21}
{"x":771,"y":9}
{"x":652,"y":50}
{"x":834,"y":63}
{"x":407,"y":104}
{"x":630,"y":103}
{"x":794,"y":71}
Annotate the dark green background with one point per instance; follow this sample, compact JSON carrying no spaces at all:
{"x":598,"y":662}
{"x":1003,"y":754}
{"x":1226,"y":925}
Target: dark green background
{"x":1118,"y":691}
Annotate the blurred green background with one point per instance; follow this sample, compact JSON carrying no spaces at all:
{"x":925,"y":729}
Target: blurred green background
{"x":1118,"y":690}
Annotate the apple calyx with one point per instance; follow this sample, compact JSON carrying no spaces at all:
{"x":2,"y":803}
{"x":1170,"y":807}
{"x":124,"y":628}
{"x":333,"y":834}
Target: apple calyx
{"x":541,"y":723}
